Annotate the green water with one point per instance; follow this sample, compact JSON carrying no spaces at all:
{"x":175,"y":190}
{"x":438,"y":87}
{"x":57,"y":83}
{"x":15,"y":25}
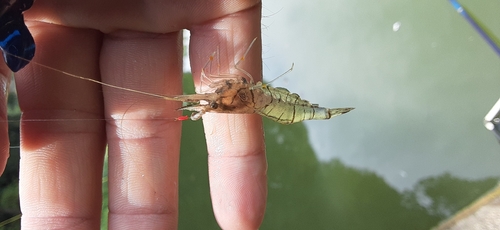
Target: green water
{"x":415,"y":149}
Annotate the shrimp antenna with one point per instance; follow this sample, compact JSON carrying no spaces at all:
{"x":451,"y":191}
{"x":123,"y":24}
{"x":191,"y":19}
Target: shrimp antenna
{"x":96,"y":81}
{"x":243,"y":58}
{"x":283,"y":74}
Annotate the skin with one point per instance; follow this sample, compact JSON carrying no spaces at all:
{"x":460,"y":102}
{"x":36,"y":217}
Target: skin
{"x":133,"y":44}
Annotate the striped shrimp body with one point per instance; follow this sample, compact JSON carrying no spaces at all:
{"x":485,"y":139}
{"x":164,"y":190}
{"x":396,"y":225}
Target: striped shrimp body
{"x":238,"y":96}
{"x":287,"y":108}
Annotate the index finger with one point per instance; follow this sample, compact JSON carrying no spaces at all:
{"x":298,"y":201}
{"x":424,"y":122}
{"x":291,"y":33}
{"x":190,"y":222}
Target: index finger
{"x":235,"y":143}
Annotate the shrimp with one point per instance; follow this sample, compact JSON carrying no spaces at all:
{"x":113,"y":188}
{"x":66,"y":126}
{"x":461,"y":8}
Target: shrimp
{"x":240,"y":96}
{"x":237,"y":95}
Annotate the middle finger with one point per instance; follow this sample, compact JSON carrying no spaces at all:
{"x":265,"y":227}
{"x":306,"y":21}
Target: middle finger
{"x":144,"y":139}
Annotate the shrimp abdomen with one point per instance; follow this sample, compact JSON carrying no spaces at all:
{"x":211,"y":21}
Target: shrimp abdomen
{"x":287,"y":108}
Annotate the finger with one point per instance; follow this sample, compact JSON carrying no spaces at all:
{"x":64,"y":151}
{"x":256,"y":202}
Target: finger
{"x":237,"y":163}
{"x":159,"y":16}
{"x":144,"y":138}
{"x":62,"y":131}
{"x":5,"y":75}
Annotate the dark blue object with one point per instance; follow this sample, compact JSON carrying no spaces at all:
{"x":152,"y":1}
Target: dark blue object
{"x":476,"y":26}
{"x":15,"y":38}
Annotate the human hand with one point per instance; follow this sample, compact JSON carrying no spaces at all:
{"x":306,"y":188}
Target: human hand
{"x":132,"y":44}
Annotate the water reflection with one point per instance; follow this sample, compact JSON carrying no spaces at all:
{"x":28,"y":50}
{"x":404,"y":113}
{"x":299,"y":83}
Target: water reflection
{"x":420,"y":91}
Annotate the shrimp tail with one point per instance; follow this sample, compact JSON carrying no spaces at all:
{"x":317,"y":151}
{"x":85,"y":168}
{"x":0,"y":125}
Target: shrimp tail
{"x":338,"y":111}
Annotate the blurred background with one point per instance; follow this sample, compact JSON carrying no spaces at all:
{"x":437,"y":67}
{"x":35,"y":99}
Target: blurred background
{"x":412,"y":153}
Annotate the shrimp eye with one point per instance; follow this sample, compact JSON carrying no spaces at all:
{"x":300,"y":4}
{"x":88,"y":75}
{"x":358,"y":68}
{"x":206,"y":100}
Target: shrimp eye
{"x":214,"y":105}
{"x":243,"y":96}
